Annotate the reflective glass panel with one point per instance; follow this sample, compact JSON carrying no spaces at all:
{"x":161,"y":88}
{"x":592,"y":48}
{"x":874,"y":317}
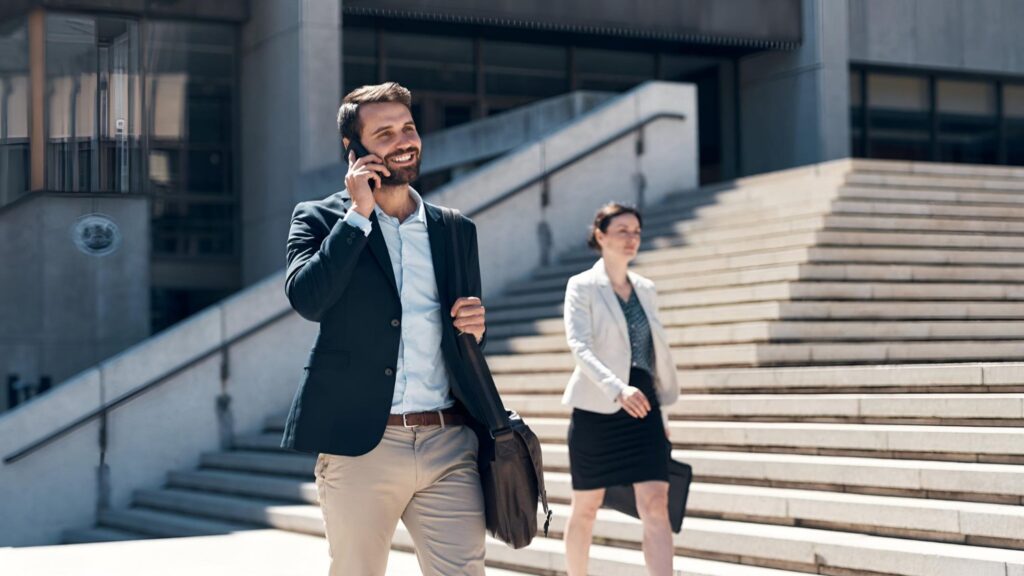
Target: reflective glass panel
{"x":899,"y":117}
{"x":190,"y":103}
{"x":967,"y":121}
{"x":93,"y":124}
{"x":14,"y":111}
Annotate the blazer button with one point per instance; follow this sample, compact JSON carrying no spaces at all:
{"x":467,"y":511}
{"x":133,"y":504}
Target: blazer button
{"x":348,"y":241}
{"x":395,"y":323}
{"x":388,"y":372}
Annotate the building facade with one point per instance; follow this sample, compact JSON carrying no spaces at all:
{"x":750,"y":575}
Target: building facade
{"x":151,"y":151}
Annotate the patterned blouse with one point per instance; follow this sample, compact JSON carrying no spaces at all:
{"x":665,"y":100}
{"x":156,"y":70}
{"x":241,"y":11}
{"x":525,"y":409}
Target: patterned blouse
{"x":640,"y":342}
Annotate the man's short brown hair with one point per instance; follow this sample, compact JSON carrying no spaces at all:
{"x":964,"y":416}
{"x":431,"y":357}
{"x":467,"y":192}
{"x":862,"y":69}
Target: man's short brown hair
{"x":348,"y":113}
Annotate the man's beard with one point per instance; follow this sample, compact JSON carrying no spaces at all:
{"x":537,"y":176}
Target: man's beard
{"x":403,"y":175}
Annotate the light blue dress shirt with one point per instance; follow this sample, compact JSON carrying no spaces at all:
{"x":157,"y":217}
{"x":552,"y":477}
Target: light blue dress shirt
{"x":421,"y":375}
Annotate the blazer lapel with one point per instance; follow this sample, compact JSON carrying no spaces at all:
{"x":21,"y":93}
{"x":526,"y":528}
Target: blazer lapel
{"x":604,"y":288}
{"x":437,"y":231}
{"x":379,"y":249}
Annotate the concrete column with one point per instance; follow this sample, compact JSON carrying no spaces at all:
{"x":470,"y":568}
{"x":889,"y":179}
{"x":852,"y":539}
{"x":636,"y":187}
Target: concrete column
{"x":794,"y":106}
{"x":291,"y":88}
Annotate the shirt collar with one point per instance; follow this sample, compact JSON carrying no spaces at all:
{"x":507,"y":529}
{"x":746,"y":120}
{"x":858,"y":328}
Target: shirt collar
{"x":420,"y":214}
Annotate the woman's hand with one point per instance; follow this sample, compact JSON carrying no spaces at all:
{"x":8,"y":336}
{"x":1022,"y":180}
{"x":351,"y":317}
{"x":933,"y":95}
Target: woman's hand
{"x":634,"y":402}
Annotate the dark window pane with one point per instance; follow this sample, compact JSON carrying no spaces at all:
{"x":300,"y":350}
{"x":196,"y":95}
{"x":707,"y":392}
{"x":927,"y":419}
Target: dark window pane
{"x":899,"y":117}
{"x":14,"y":111}
{"x":522,"y":57}
{"x":207,"y":172}
{"x":856,"y":114}
{"x":428,"y":48}
{"x":1013,"y":112}
{"x":359,"y":43}
{"x":967,"y":121}
{"x":190,"y":108}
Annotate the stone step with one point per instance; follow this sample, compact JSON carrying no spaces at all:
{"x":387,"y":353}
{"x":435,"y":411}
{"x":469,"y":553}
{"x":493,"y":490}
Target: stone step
{"x":920,"y":239}
{"x":279,"y":462}
{"x":991,"y":409}
{"x":163,"y":524}
{"x":790,"y":332}
{"x":99,"y":534}
{"x":700,"y":536}
{"x":935,"y":169}
{"x":549,"y":304}
{"x":937,"y":182}
{"x":919,"y":273}
{"x":951,"y":443}
{"x":918,"y":194}
{"x":792,"y":354}
{"x":973,"y":523}
{"x":963,"y":481}
{"x":974,"y":378}
{"x":248,"y":484}
{"x":931,"y":209}
{"x":811,"y":550}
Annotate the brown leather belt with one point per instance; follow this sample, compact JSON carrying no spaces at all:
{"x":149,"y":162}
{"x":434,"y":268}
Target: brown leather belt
{"x":448,"y":417}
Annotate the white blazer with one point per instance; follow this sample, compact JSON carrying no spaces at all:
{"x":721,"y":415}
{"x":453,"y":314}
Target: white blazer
{"x":598,"y":336}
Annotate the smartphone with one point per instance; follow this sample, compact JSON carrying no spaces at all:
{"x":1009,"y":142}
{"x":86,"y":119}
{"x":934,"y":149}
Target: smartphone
{"x":356,"y":146}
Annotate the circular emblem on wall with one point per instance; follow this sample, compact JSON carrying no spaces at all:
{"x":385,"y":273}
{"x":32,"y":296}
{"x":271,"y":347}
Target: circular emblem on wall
{"x":96,"y":235}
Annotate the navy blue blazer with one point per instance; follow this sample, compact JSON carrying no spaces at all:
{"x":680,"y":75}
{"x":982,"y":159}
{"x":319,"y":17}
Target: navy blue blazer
{"x":343,"y":280}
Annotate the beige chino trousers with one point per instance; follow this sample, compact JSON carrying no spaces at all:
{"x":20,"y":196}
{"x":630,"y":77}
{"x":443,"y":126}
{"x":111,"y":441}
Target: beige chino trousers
{"x":426,"y":476}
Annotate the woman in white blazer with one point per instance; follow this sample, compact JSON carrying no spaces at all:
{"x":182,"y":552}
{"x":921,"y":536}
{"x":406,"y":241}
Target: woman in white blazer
{"x":624,"y":375}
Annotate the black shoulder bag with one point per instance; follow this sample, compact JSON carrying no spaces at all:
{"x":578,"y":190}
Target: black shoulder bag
{"x":513,"y":480}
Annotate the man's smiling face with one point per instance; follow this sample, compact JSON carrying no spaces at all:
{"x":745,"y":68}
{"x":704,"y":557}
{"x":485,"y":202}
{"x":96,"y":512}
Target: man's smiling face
{"x":387,"y":130}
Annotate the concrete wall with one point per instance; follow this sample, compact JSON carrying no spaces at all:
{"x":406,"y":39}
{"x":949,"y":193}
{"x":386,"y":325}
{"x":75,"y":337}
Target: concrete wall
{"x":291,"y":89}
{"x":64,"y":309}
{"x":62,"y":485}
{"x":794,"y":106}
{"x":520,"y":233}
{"x":961,"y":35}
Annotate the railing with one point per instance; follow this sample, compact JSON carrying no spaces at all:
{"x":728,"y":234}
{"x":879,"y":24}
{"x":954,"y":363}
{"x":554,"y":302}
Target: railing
{"x":548,"y":172}
{"x":102,"y":411}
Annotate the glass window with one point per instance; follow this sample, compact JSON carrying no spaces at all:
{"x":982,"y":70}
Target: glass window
{"x":92,"y":110}
{"x":899,"y":117}
{"x":359,"y":51}
{"x":967,"y":121}
{"x":856,"y":114}
{"x":1013,"y":114}
{"x":430,"y":63}
{"x":612,"y":70}
{"x":520,"y":69}
{"x":14,"y":111}
{"x":189,"y":109}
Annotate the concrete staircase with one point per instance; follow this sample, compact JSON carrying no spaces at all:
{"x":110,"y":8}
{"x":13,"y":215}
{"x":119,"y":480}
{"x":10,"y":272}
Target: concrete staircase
{"x":822,"y":335}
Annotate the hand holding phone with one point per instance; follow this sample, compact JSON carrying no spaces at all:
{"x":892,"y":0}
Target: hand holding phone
{"x":364,"y":171}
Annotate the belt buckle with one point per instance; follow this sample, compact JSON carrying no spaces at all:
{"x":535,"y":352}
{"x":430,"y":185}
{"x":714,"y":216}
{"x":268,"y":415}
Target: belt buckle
{"x":406,"y":423}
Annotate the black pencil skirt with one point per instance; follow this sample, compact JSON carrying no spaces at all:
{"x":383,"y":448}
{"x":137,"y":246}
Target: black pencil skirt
{"x":617,"y":449}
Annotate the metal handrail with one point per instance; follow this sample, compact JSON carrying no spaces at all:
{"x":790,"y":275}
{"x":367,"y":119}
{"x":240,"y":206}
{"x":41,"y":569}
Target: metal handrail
{"x":575,"y":158}
{"x":137,"y":392}
{"x":129,"y":396}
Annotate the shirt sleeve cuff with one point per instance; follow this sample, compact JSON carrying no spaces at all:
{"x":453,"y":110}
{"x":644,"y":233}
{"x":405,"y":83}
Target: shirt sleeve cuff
{"x":359,"y":221}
